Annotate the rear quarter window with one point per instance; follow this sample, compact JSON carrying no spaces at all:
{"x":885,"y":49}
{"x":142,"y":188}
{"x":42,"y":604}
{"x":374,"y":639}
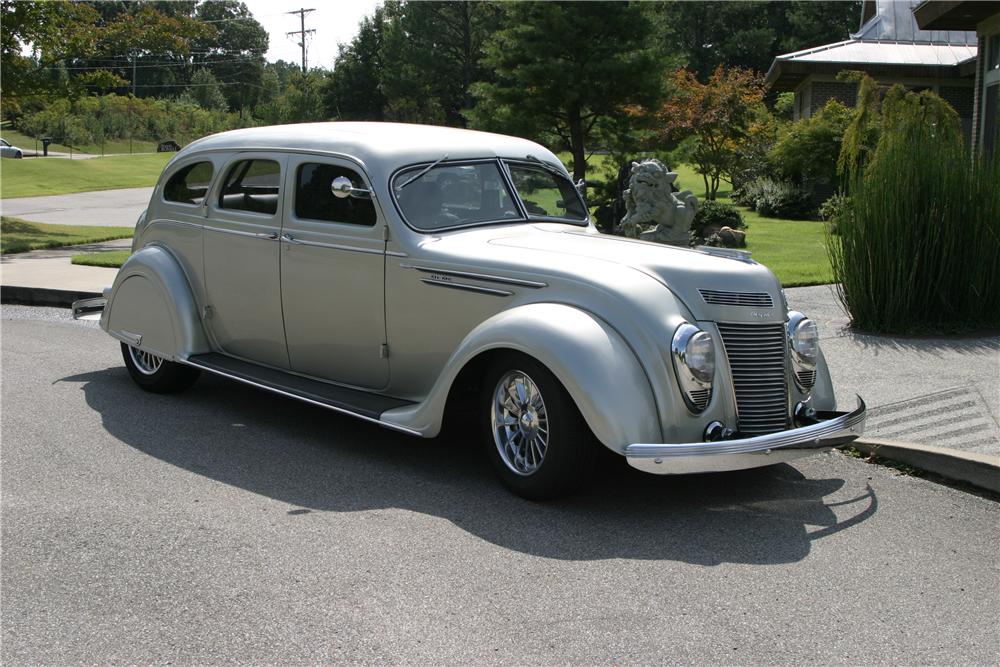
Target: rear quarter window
{"x":189,"y":185}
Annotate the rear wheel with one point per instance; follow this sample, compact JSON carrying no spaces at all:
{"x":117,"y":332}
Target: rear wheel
{"x":156,"y":374}
{"x":538,"y":443}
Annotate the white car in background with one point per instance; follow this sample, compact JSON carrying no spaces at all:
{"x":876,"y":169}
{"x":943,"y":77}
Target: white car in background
{"x":6,"y":150}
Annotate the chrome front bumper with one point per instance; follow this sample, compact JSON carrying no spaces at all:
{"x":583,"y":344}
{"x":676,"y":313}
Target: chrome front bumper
{"x":89,"y":309}
{"x":833,"y":429}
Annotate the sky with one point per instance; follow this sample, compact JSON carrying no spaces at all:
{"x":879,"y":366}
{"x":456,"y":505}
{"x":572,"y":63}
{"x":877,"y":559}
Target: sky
{"x":335,"y":21}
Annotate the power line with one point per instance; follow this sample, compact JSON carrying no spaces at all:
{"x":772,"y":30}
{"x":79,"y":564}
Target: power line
{"x":169,"y":64}
{"x":302,"y":32}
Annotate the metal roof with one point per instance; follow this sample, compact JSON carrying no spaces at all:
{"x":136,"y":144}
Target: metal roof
{"x":859,"y":52}
{"x":893,"y":21}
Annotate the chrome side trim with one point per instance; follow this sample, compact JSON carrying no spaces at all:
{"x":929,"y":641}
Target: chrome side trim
{"x":465,"y":287}
{"x":89,"y":309}
{"x":288,"y":238}
{"x":275,"y":390}
{"x":836,"y":431}
{"x":503,"y":280}
{"x":394,"y":253}
{"x":268,"y":236}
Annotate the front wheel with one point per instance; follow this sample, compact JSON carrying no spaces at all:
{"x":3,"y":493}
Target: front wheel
{"x":156,"y":374}
{"x":538,"y":442}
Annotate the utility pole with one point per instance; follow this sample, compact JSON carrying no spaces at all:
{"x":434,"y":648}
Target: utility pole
{"x":302,"y":32}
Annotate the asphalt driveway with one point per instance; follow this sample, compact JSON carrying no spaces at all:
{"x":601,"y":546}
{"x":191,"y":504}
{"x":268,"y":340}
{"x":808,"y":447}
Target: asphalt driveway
{"x":113,"y":208}
{"x":226,"y":525}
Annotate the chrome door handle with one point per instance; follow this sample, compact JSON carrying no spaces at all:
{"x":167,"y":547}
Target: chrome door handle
{"x":272,"y":236}
{"x":289,"y":238}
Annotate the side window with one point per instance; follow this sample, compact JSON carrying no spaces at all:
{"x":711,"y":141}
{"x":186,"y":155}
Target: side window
{"x":315,"y":201}
{"x":190,"y":184}
{"x":252,"y":185}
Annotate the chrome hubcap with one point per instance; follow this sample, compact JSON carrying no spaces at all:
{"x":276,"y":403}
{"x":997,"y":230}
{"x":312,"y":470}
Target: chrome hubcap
{"x":520,"y":423}
{"x":145,"y":362}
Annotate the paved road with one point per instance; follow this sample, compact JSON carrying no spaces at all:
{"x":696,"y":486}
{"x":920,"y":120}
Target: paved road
{"x":226,"y":525}
{"x":115,"y":208}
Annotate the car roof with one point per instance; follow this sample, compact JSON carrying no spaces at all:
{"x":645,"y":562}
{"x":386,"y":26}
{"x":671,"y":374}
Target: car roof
{"x":382,"y":146}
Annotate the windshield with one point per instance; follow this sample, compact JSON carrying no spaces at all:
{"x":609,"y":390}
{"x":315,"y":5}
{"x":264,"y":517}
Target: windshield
{"x":454,"y":196}
{"x":461,"y":195}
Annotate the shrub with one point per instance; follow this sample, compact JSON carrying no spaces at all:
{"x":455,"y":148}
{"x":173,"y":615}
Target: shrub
{"x":809,"y":149}
{"x":776,"y":199}
{"x":920,"y":252}
{"x":711,"y":218}
{"x":836,"y":212}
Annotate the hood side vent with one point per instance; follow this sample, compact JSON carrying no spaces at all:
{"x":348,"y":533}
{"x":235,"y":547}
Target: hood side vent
{"x":748,"y":299}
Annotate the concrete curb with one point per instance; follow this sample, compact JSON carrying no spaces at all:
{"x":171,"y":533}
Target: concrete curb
{"x":42,"y":296}
{"x":979,"y":470}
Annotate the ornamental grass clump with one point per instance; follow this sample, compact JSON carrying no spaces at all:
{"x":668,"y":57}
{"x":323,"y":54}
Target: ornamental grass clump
{"x":920,"y":252}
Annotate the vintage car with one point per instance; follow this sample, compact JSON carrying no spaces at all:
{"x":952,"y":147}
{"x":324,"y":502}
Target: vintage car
{"x":412,"y":275}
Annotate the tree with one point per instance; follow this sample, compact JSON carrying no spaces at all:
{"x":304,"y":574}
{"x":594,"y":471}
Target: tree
{"x":562,"y":68}
{"x":714,"y":116}
{"x":750,"y":34}
{"x":354,"y":89}
{"x":205,"y":90}
{"x":53,"y":31}
{"x":433,"y":54}
{"x":235,"y":54}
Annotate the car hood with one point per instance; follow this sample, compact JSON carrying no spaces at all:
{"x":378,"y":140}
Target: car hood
{"x":696,"y":277}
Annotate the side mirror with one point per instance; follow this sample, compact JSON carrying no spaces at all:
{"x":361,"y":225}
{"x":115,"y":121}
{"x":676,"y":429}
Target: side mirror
{"x":342,"y":187}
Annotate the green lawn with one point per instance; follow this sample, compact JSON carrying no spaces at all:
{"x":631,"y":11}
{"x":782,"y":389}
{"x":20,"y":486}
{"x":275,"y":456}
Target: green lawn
{"x":111,"y":258}
{"x":55,"y":176}
{"x":18,"y":235}
{"x":24,"y":142}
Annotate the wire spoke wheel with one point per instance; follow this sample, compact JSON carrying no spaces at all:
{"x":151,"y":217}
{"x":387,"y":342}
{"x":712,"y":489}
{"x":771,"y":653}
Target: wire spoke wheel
{"x":145,"y":362}
{"x":520,"y":423}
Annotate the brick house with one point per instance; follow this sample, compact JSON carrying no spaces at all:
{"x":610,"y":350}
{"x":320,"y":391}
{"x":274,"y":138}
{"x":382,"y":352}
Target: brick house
{"x":890,"y":47}
{"x":984,"y":19}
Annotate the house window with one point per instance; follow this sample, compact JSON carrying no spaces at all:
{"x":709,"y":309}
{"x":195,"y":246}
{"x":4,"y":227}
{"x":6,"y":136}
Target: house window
{"x":993,"y":53}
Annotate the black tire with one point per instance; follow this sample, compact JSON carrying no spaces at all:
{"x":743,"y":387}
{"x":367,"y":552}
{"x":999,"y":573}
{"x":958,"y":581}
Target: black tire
{"x":570,"y":450}
{"x":18,"y":155}
{"x":169,"y":377}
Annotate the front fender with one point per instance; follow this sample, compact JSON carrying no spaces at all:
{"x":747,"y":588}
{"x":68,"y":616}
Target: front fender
{"x":151,"y":302}
{"x":593,"y":362}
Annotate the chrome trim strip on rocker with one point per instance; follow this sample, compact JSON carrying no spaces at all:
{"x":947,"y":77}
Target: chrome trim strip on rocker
{"x":467,"y":288}
{"x":503,"y":280}
{"x":390,"y":425}
{"x":666,"y":459}
{"x":89,"y":309}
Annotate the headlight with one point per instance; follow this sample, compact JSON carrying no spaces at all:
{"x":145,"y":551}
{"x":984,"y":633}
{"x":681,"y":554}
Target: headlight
{"x":803,"y":339}
{"x":693,"y":352}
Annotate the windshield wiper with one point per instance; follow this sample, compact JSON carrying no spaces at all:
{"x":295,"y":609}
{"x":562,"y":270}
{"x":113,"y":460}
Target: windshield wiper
{"x":422,"y":172}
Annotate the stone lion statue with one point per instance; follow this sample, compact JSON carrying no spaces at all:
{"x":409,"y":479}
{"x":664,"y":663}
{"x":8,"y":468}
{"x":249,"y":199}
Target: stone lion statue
{"x":650,"y":202}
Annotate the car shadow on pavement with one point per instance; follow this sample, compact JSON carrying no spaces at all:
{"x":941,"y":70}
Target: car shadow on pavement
{"x":319,"y":461}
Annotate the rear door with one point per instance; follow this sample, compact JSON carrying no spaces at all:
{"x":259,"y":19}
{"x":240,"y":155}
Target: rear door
{"x":241,"y":259}
{"x":333,"y":276}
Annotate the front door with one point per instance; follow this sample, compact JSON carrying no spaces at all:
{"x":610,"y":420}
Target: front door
{"x":241,"y":260}
{"x":333,"y":276}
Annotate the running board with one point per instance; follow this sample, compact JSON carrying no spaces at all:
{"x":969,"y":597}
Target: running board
{"x":362,"y":404}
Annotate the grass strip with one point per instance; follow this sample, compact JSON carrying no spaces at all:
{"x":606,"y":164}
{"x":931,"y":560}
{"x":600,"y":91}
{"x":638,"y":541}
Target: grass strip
{"x":33,"y":177}
{"x":18,"y":235}
{"x":112,"y":259}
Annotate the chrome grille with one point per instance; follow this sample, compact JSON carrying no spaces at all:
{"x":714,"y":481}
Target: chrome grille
{"x":749,"y":299}
{"x":700,"y":398}
{"x":756,"y":354}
